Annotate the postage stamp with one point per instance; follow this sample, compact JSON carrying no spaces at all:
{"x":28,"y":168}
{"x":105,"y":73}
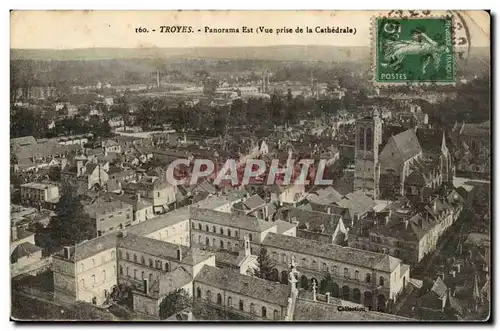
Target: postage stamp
{"x":414,"y":50}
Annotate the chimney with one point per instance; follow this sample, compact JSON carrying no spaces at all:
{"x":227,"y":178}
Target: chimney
{"x":146,"y":285}
{"x":138,"y":197}
{"x":67,"y":252}
{"x":179,"y":253}
{"x":14,"y":233}
{"x":329,"y":210}
{"x":327,"y":297}
{"x":406,"y":221}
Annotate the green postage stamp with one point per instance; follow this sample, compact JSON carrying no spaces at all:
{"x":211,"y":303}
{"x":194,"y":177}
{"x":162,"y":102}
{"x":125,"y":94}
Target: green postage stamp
{"x":414,"y":50}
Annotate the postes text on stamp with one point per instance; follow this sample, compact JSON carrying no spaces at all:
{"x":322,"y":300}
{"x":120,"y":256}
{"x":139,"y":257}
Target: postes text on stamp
{"x":414,"y":50}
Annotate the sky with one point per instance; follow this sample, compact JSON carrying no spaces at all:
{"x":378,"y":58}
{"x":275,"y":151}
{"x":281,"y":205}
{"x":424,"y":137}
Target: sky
{"x":116,"y":29}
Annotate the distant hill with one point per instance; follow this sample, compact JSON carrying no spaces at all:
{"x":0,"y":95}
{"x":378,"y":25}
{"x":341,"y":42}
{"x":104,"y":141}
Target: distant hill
{"x":274,"y":53}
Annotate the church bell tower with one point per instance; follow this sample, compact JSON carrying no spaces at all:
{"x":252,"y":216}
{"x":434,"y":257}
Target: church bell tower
{"x":367,"y":167}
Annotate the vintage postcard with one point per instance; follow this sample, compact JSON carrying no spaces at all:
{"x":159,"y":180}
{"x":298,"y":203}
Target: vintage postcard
{"x":250,"y":166}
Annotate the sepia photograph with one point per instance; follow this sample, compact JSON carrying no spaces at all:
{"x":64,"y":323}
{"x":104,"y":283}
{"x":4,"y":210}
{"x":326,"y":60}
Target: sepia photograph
{"x":250,"y":166}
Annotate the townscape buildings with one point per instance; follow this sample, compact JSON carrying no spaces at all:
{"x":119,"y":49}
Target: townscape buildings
{"x":370,"y":245}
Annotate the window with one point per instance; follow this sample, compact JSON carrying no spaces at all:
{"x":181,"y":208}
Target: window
{"x":250,"y":237}
{"x":167,"y":267}
{"x":112,"y":254}
{"x":206,"y":228}
{"x":324,"y":267}
{"x":81,"y":267}
{"x":135,"y":258}
{"x":104,"y":275}
{"x":229,"y":232}
{"x":213,"y":242}
{"x":264,"y":312}
{"x":128,"y":274}
{"x":214,"y":229}
{"x":356,"y":275}
{"x":219,"y":299}
{"x":381,"y":281}
{"x":143,"y":260}
{"x":121,"y":270}
{"x":93,"y":280}
{"x":158,"y":194}
{"x":199,"y":226}
{"x":221,"y":230}
{"x":229,"y":301}
{"x":82,"y":283}
{"x":93,"y":263}
{"x":150,"y":278}
{"x":241,"y":305}
{"x":120,"y":254}
{"x":314,"y":266}
{"x":135,"y":273}
{"x":142,"y":275}
{"x":236,"y":234}
{"x":304,"y":262}
{"x":346,"y":273}
{"x":209,"y":295}
{"x":252,"y":308}
{"x":229,"y":246}
{"x":150,"y":263}
{"x":283,"y":258}
{"x":368,"y":278}
{"x":200,"y":240}
{"x":128,"y":256}
{"x":198,"y":292}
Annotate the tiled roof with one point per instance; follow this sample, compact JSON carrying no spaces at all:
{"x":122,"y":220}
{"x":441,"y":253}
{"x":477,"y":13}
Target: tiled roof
{"x":325,"y":196}
{"x":407,"y":144}
{"x":254,"y":201}
{"x":104,"y":207}
{"x":249,"y":286}
{"x":333,"y":252}
{"x":313,"y":220}
{"x":160,"y":222}
{"x":230,"y":220}
{"x":22,"y":250}
{"x":154,"y":247}
{"x":357,"y":202}
{"x":283,"y":226}
{"x":23,"y":141}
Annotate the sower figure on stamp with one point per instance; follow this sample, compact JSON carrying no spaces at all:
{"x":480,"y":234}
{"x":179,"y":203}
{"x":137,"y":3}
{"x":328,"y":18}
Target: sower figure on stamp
{"x":422,"y":44}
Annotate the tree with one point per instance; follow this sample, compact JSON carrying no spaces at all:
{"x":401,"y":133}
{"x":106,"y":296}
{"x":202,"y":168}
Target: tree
{"x":70,"y":225}
{"x":55,"y":173}
{"x":175,"y":302}
{"x":264,"y":265}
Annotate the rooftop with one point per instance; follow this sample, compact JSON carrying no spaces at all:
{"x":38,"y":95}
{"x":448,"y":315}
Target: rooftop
{"x":230,"y":220}
{"x":333,"y":252}
{"x":252,"y":287}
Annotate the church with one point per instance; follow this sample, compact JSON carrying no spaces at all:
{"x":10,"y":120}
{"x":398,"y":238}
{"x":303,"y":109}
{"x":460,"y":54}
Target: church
{"x":402,"y":167}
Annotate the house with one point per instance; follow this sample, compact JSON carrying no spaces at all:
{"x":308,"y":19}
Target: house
{"x":38,"y":194}
{"x":109,"y":216}
{"x":23,"y":251}
{"x":89,"y":174}
{"x":155,"y":190}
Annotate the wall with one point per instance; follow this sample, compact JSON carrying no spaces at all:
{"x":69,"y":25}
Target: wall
{"x":235,"y":299}
{"x":64,"y":279}
{"x":111,"y":221}
{"x":176,"y":234}
{"x":96,"y":276}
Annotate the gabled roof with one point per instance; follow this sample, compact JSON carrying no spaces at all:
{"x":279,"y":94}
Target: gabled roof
{"x":24,"y":249}
{"x":254,"y":201}
{"x":408,"y":144}
{"x":325,"y":196}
